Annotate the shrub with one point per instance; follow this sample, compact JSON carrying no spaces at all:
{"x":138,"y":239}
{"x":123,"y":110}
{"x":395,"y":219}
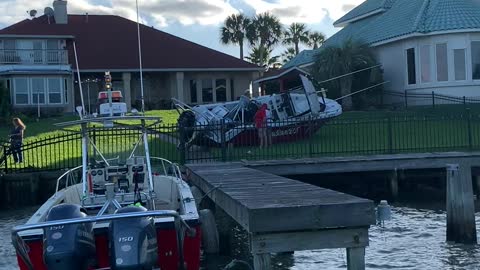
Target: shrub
{"x":5,"y":106}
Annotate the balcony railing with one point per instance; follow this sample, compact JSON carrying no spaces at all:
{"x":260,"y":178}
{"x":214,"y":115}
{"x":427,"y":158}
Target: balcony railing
{"x":33,"y":57}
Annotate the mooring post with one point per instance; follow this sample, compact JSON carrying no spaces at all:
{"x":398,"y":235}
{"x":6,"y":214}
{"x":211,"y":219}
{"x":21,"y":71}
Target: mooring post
{"x":356,"y":258}
{"x":476,"y":182}
{"x":460,"y":205}
{"x":393,"y":184}
{"x":262,"y":261}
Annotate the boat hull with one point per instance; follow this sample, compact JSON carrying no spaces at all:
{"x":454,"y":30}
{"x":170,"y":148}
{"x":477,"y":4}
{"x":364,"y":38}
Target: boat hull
{"x":167,"y":248}
{"x":249,"y":136}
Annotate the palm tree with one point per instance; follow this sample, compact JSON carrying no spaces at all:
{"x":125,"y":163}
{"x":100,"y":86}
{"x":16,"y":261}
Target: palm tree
{"x":261,"y":56}
{"x":288,"y":55}
{"x":316,"y":40}
{"x":297,"y":33}
{"x":336,"y":61}
{"x":234,"y":30}
{"x":265,"y":31}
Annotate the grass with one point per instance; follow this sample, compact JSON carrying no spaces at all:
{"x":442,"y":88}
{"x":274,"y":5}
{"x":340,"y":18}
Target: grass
{"x":377,"y":132}
{"x":47,"y":147}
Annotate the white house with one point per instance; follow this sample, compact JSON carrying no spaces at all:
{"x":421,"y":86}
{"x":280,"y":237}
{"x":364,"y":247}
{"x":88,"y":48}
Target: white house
{"x":424,"y":46}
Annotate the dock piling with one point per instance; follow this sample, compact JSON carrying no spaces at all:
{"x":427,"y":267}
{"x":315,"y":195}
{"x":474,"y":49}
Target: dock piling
{"x":460,"y":205}
{"x":356,"y":258}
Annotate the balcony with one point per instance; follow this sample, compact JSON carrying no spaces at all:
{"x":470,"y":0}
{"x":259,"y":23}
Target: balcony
{"x":33,"y":57}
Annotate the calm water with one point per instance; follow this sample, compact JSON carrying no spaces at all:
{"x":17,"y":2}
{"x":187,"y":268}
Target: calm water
{"x":414,"y":239}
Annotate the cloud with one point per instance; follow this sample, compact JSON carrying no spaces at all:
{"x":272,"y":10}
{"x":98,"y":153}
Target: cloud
{"x":303,"y":11}
{"x":158,"y":12}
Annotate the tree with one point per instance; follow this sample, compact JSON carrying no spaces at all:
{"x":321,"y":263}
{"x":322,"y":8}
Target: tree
{"x":261,"y":56}
{"x":265,"y":31}
{"x":234,"y":30}
{"x":297,"y":33}
{"x":288,"y":55}
{"x":336,"y":61}
{"x":316,"y":40}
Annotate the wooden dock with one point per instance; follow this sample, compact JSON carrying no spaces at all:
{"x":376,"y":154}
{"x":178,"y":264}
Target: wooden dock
{"x":283,"y":215}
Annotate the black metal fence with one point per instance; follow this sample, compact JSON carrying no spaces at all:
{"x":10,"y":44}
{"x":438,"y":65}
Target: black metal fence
{"x":362,"y":133}
{"x":62,"y":150}
{"x":409,"y":99}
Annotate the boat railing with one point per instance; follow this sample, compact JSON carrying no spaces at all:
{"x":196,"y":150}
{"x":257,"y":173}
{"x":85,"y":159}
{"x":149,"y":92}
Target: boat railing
{"x":169,"y":168}
{"x":22,"y":249}
{"x":68,"y":177}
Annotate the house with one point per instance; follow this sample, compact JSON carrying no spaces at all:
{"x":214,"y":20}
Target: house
{"x":424,"y":46}
{"x":37,"y":60}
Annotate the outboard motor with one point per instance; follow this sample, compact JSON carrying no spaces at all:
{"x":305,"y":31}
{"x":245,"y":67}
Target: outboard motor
{"x":69,"y":247}
{"x":133,"y":241}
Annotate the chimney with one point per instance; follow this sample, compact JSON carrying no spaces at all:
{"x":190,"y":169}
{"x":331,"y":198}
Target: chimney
{"x":60,"y":12}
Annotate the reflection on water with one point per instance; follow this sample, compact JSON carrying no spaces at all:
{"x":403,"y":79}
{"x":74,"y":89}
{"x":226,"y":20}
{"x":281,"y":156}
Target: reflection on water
{"x":414,"y":239}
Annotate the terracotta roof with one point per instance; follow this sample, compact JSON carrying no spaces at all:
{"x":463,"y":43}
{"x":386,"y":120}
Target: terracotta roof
{"x":108,"y":42}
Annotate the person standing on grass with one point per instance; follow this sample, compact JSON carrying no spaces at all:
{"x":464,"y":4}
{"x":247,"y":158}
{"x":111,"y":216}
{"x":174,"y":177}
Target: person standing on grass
{"x":16,"y":140}
{"x":261,"y":125}
{"x":269,"y":120}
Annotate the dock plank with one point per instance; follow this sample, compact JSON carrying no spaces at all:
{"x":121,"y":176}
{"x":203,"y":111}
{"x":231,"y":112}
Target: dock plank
{"x":263,"y":202}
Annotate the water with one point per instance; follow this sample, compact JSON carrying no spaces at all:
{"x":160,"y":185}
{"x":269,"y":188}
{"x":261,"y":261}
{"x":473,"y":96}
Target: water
{"x":413,"y":239}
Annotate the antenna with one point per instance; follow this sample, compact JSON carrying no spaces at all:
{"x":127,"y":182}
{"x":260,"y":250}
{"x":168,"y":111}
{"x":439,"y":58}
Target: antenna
{"x":140,"y":59}
{"x":78,"y":74}
{"x":32,"y":13}
{"x":48,"y":11}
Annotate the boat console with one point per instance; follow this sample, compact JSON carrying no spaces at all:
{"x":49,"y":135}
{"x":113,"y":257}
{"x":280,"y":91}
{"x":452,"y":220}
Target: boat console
{"x":125,"y":177}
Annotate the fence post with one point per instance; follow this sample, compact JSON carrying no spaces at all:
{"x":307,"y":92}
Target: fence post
{"x":223,"y":140}
{"x":390,"y":135}
{"x":469,"y":128}
{"x":406,"y":99}
{"x":464,"y":101}
{"x":5,"y":156}
{"x":181,"y":145}
{"x":433,"y":99}
{"x":311,"y":133}
{"x":94,"y":139}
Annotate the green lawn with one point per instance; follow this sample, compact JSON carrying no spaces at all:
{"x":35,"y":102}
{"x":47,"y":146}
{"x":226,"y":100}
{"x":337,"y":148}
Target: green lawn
{"x":353,"y":133}
{"x":48,"y":147}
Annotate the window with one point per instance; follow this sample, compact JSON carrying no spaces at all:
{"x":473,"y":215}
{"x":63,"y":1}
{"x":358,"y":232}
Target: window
{"x":425,"y":63}
{"x":221,"y":89}
{"x":38,"y":91}
{"x":412,"y":77}
{"x":10,"y":55}
{"x":9,"y":44}
{"x":460,"y":63}
{"x":207,"y":90}
{"x":21,"y":91}
{"x":442,"y":62}
{"x":52,"y":51}
{"x":232,"y":89}
{"x":65,"y":90}
{"x":476,"y":60}
{"x":193,"y":91}
{"x":54,"y":91}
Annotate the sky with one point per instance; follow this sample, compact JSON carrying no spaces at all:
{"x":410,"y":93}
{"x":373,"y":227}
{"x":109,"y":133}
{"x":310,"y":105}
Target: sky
{"x":196,"y":20}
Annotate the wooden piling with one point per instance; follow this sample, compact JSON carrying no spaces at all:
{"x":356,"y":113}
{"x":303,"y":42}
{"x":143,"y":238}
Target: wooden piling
{"x":460,"y":205}
{"x":393,"y":184}
{"x":356,"y":258}
{"x":262,"y":261}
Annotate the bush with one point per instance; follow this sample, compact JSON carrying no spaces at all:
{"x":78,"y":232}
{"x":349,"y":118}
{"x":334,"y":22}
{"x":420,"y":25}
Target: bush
{"x":5,"y":106}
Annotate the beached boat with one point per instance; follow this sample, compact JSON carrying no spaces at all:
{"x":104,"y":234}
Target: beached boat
{"x":135,"y":213}
{"x":295,"y":114}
